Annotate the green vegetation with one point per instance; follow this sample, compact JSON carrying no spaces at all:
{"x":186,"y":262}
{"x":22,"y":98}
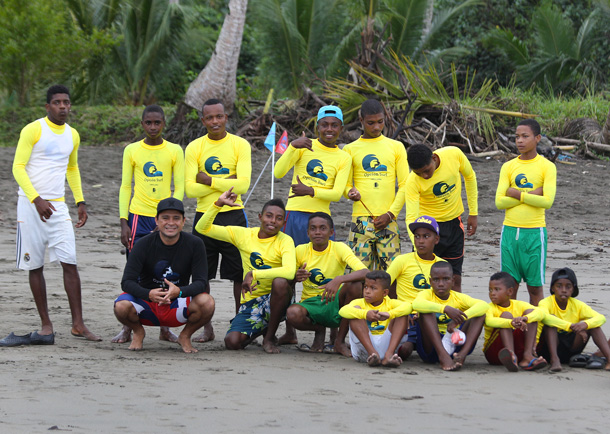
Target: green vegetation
{"x":553,"y":110}
{"x":97,"y":125}
{"x":534,"y":56}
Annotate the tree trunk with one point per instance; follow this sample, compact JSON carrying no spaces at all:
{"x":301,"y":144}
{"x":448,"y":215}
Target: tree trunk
{"x":217,"y":80}
{"x":606,"y":130}
{"x":428,"y":20}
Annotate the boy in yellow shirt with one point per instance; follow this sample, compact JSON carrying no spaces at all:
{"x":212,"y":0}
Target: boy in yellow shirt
{"x":510,"y":327}
{"x":151,"y":164}
{"x":321,"y":170}
{"x":377,"y":324}
{"x":326,"y":288}
{"x":212,"y":164}
{"x":569,"y":323}
{"x":434,"y":188}
{"x":526,"y":189}
{"x":268,"y":261}
{"x":441,"y":311}
{"x":410,"y":272}
{"x":378,"y":165}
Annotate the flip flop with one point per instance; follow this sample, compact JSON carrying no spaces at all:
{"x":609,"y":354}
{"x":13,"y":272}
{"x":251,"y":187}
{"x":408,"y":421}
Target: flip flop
{"x":305,"y":348}
{"x":38,"y":339}
{"x":508,"y":360}
{"x":535,"y":364}
{"x":12,"y":340}
{"x":579,"y":360}
{"x":330,"y":349}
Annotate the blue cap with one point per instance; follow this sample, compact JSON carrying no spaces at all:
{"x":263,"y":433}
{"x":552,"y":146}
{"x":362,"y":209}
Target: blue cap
{"x":330,"y":111}
{"x":425,"y":222}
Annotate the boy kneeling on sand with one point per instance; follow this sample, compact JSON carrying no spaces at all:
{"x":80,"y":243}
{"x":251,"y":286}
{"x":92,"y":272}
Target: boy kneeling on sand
{"x":568,"y":325}
{"x":441,"y":311}
{"x":377,"y":323}
{"x":510,"y":327}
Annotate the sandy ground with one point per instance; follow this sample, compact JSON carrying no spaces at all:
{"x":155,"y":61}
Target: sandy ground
{"x":81,"y":386}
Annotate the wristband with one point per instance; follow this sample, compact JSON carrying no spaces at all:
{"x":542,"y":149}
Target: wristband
{"x":390,"y":215}
{"x":180,"y":295}
{"x":82,"y":202}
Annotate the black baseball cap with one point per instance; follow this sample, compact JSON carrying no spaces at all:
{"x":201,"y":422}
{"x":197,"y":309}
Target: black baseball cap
{"x":565,"y":273}
{"x":169,"y":204}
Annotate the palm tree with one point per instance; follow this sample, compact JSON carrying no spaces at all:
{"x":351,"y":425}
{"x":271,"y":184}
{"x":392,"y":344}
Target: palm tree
{"x":132,"y":36}
{"x":560,"y":58}
{"x":217,"y":79}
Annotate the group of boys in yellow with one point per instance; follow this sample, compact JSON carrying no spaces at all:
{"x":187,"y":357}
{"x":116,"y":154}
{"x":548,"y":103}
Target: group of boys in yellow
{"x":377,"y":164}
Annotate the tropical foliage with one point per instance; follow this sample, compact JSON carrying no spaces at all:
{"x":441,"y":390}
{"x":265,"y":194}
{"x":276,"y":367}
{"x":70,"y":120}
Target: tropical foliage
{"x":560,"y":59}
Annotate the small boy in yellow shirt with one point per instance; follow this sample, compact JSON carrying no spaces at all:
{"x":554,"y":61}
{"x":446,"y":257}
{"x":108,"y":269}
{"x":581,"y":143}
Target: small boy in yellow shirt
{"x":569,"y":323}
{"x":377,"y":324}
{"x":510,"y":327}
{"x":442,"y":310}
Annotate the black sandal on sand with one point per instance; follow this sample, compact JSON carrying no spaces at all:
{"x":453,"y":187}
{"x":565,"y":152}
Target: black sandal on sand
{"x":579,"y":360}
{"x":12,"y":340}
{"x":37,"y":339}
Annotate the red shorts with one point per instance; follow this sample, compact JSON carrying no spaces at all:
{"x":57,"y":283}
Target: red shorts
{"x":155,"y":314}
{"x":495,"y":345}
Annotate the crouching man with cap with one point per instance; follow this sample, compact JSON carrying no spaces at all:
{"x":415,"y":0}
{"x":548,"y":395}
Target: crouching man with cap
{"x":156,"y":280}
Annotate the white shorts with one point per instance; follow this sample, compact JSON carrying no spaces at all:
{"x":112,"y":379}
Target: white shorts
{"x":380,"y":343}
{"x":34,"y":235}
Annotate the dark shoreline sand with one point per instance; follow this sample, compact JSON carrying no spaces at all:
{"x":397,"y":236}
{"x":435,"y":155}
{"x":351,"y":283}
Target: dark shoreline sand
{"x":81,"y":386}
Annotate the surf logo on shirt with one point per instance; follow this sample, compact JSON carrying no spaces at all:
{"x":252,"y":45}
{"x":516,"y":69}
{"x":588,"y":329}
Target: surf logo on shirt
{"x":315,"y":169}
{"x":317,"y":277}
{"x":420,"y":282}
{"x":163,"y":270}
{"x":257,"y":261}
{"x":521,"y":181}
{"x":375,"y":326}
{"x":441,"y":189}
{"x":442,"y":318}
{"x":214,"y":167}
{"x":370,"y":163}
{"x":150,"y":170}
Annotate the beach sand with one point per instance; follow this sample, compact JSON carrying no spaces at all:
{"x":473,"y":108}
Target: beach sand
{"x":81,"y":386}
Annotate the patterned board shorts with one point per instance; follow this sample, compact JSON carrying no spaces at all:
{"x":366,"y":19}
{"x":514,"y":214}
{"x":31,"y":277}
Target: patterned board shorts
{"x":375,"y":249}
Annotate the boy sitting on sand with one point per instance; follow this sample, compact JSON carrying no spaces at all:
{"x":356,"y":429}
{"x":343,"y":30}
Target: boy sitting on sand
{"x":268,"y":260}
{"x":409,"y":272}
{"x":510,"y":327}
{"x":377,"y":323}
{"x":326,"y":288}
{"x":441,"y":311}
{"x":569,"y":323}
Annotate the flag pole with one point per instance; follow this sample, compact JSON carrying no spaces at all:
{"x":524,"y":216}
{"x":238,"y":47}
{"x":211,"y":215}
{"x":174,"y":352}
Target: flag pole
{"x":257,"y":179}
{"x":272,"y":169}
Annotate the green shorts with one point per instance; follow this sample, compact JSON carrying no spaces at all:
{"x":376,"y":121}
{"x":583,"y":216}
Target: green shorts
{"x":375,"y":249}
{"x":523,"y":254}
{"x":322,"y":313}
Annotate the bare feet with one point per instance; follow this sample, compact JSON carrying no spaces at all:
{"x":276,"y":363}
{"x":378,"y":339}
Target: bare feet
{"x":83,"y":332}
{"x":165,"y":334}
{"x":393,"y":362}
{"x":458,"y":359}
{"x":341,"y":348}
{"x":448,"y":364}
{"x":185,"y":343}
{"x":123,"y":336}
{"x":270,"y":347}
{"x":46,"y":330}
{"x":556,"y":366}
{"x":373,"y":360}
{"x":288,"y":339}
{"x":138,"y":340}
{"x":317,"y":347}
{"x":206,"y":335}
